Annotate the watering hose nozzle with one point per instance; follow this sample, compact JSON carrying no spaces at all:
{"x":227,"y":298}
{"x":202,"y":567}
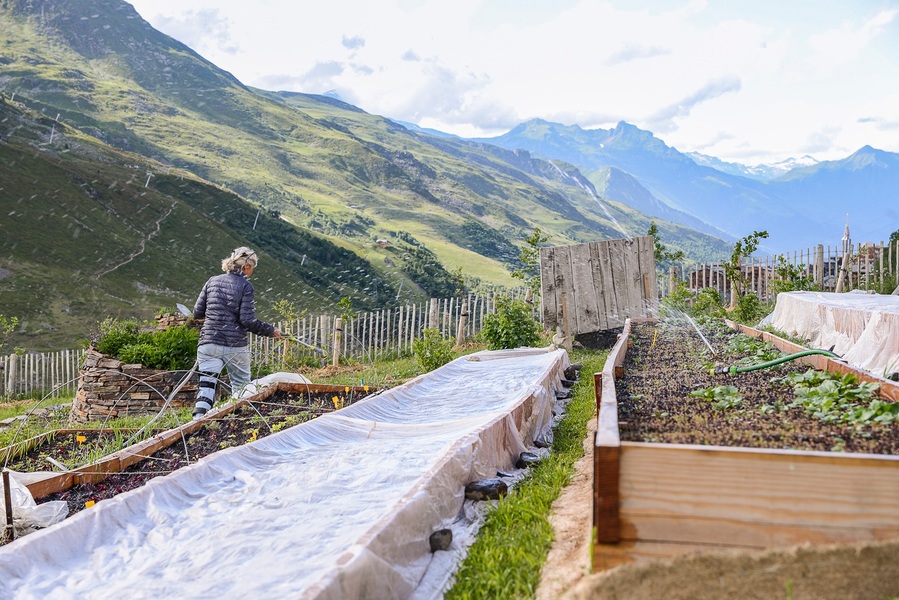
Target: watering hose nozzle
{"x":723,"y":371}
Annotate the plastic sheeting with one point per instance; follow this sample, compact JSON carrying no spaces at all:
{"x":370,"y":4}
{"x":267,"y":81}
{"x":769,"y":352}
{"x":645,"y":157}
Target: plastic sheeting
{"x":339,"y":507}
{"x":863,"y":329}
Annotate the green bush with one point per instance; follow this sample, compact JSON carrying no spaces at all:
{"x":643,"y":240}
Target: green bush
{"x":431,"y":350}
{"x":749,"y":310}
{"x":172,"y":349}
{"x":115,"y":334}
{"x":511,"y":326}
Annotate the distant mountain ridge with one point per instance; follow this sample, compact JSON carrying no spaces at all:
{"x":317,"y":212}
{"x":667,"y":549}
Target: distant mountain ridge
{"x":803,"y":207}
{"x":764,"y":172}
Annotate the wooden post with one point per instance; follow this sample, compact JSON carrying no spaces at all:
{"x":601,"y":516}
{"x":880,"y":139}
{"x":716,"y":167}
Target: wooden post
{"x":672,"y":279}
{"x":566,"y":330}
{"x":12,"y":367}
{"x":432,"y":314}
{"x":7,"y":501}
{"x":335,"y":354}
{"x":460,"y":330}
{"x":819,"y":266}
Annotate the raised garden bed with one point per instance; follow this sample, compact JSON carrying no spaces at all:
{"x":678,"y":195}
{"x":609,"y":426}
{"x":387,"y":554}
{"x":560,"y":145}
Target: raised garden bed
{"x":687,"y":460}
{"x":244,"y":421}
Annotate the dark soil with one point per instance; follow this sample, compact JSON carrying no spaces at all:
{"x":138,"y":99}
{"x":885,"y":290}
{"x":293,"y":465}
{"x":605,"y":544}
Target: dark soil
{"x":246,"y":424}
{"x":668,"y":361}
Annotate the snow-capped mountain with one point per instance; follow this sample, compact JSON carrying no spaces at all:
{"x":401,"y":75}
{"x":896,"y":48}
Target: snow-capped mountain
{"x":765,"y":172}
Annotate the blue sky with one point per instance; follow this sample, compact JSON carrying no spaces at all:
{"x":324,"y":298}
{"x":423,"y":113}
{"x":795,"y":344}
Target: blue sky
{"x":750,"y":82}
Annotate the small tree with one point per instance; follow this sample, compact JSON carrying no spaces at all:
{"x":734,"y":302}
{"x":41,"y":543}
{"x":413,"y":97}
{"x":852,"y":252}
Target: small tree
{"x":511,"y":326}
{"x":744,"y":248}
{"x":663,"y":256}
{"x":529,"y":257}
{"x":7,"y":326}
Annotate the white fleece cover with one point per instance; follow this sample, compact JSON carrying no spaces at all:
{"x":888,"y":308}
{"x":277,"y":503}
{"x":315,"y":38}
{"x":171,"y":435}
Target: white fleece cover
{"x":862,"y":328}
{"x":339,"y":507}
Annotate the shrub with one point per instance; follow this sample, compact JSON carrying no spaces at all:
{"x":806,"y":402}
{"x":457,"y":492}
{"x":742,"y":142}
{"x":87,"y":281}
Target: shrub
{"x":431,"y":350}
{"x":511,"y":326}
{"x":115,"y":334}
{"x":172,"y":349}
{"x":749,"y":310}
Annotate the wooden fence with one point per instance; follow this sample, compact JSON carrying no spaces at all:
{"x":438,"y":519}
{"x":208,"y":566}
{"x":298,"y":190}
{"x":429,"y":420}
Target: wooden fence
{"x":863,"y":267}
{"x":373,"y":335}
{"x":40,"y":373}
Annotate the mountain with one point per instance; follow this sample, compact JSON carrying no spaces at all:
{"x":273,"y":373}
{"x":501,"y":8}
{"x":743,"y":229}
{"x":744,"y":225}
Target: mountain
{"x":87,"y":234}
{"x":804,"y":207}
{"x":764,"y":172}
{"x":91,"y":85}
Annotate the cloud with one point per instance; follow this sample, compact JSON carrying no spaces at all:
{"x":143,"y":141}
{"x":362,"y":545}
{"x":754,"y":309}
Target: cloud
{"x":410,"y":56}
{"x":632,"y":52}
{"x":663,"y":120}
{"x":202,"y":30}
{"x":317,"y":79}
{"x":353,"y":43}
{"x":880,"y":123}
{"x":822,"y":140}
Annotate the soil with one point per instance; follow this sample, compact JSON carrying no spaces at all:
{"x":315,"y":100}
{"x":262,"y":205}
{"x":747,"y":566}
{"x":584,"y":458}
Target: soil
{"x":844,"y":571}
{"x":246,"y":424}
{"x":667,"y":362}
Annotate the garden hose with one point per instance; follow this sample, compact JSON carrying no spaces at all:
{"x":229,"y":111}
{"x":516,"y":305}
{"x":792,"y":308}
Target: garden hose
{"x":771,"y":363}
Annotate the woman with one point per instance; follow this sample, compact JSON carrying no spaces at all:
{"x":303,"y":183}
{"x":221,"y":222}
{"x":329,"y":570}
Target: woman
{"x":228,"y":306}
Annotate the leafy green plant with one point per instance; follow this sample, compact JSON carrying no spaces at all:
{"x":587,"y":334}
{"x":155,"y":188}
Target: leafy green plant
{"x":663,"y":256}
{"x":722,"y":397}
{"x":431,"y":350}
{"x":115,"y":334}
{"x":733,"y":267}
{"x":529,"y":259}
{"x":171,"y":349}
{"x":511,"y":326}
{"x":840,"y":398}
{"x":748,"y":309}
{"x":791,"y":278}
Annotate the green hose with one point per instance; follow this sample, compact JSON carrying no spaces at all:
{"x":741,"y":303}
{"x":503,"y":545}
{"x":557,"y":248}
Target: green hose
{"x":771,"y":363}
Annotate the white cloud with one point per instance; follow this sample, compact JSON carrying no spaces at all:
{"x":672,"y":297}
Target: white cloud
{"x":756,"y":81}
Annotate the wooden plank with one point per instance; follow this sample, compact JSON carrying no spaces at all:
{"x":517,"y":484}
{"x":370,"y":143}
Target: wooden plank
{"x":548,"y":288}
{"x":602,"y":270}
{"x":647,"y":266}
{"x":586,"y":310}
{"x":755,"y":497}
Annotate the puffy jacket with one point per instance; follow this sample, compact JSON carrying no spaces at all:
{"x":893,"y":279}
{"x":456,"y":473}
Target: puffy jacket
{"x":228,"y":304}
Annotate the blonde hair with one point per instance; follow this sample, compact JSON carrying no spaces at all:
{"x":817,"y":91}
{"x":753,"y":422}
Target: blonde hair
{"x":239,"y":257}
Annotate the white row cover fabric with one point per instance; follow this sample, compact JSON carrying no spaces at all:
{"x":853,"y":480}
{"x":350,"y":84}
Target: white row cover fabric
{"x":862,"y":328}
{"x":339,"y":507}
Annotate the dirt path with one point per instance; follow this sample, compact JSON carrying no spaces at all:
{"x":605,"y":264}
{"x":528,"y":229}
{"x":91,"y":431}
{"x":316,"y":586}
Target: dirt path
{"x":569,"y":557}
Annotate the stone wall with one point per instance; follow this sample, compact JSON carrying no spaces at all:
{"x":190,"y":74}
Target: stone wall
{"x":110,"y":388}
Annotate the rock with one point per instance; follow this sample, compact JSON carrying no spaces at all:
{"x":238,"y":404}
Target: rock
{"x":544,"y":440}
{"x":441,"y":540}
{"x":526,"y":460}
{"x":572,"y":371}
{"x":563,"y":394}
{"x":487,"y":489}
{"x":568,"y":382}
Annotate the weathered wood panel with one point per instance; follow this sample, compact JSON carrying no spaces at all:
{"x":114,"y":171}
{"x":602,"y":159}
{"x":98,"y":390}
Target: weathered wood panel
{"x":603,"y":283}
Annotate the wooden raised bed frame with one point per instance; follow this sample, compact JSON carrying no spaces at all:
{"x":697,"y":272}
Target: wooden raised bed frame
{"x":124,"y":458}
{"x":654,"y":500}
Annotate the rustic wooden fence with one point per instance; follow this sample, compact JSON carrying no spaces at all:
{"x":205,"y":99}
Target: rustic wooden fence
{"x":831,"y":268}
{"x":367,"y":336}
{"x":39,"y":373}
{"x":378,"y":334}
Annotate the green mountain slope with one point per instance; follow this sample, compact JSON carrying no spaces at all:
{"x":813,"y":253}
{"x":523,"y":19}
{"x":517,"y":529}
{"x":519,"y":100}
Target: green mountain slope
{"x":85,"y":237}
{"x":442,"y":204}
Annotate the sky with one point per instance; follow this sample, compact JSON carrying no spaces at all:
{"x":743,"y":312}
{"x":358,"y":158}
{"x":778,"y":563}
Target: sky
{"x":745,"y":81}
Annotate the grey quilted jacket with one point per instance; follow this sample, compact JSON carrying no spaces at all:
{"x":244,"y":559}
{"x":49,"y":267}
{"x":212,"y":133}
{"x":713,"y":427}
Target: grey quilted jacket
{"x":228,"y":305}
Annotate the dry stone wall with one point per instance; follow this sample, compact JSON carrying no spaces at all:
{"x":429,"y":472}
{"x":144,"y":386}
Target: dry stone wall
{"x":110,"y":388}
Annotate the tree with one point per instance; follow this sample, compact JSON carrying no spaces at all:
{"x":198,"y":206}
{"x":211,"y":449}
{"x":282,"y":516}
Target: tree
{"x":664,"y":257}
{"x":7,"y":326}
{"x":529,"y":257}
{"x":744,"y":248}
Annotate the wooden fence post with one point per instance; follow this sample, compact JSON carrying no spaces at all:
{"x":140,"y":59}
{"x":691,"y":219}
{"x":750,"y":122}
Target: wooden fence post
{"x":12,"y":366}
{"x":819,"y":266}
{"x":432,"y":314}
{"x":460,"y":330}
{"x":335,"y":354}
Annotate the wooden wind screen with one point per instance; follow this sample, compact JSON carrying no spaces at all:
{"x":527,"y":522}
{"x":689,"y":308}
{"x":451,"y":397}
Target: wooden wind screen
{"x":593,"y":287}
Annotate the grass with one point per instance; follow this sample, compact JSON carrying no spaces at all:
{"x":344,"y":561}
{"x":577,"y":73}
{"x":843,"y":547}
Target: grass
{"x":507,"y":558}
